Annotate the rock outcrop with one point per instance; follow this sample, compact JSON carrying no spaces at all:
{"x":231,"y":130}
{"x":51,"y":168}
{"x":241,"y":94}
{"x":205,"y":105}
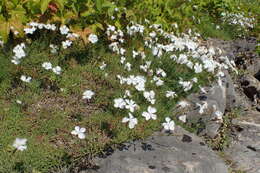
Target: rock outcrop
{"x":180,"y":152}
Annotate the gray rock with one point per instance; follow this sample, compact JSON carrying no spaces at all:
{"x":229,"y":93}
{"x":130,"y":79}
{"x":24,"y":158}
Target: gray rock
{"x":181,"y":152}
{"x":251,"y":86}
{"x":231,"y":95}
{"x":218,"y":98}
{"x":218,"y":94}
{"x":245,"y":150}
{"x":254,"y":68}
{"x":212,"y":129}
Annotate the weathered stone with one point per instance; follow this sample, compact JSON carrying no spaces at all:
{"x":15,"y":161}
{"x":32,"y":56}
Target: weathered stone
{"x":181,"y":152}
{"x":245,"y":150}
{"x":231,"y":96}
{"x":251,"y":86}
{"x":217,"y":98}
{"x":254,"y":68}
{"x":212,"y":129}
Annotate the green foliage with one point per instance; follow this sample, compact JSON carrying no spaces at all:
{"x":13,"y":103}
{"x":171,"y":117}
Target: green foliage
{"x":95,"y":14}
{"x":5,"y":71}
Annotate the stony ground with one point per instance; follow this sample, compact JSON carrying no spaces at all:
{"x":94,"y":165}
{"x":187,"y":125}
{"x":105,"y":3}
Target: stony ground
{"x":228,"y":146}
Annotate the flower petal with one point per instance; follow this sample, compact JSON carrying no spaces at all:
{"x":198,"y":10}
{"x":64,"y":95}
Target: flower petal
{"x":81,"y":136}
{"x":125,"y":119}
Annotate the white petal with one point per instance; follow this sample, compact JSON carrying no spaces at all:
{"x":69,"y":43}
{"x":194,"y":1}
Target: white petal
{"x":167,"y":119}
{"x":151,"y":109}
{"x":21,"y":148}
{"x":132,"y":124}
{"x":182,"y":118}
{"x":154,"y":116}
{"x":74,"y":132}
{"x":77,"y":128}
{"x":125,"y":119}
{"x":146,"y":115}
{"x":172,"y":125}
{"x":81,"y":136}
{"x":82,"y":130}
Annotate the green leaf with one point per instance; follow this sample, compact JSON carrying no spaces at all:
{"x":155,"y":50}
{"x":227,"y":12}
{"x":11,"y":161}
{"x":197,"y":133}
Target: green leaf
{"x":44,"y":5}
{"x":4,"y":29}
{"x":60,"y":3}
{"x":99,"y":4}
{"x":87,"y":13}
{"x":108,"y":4}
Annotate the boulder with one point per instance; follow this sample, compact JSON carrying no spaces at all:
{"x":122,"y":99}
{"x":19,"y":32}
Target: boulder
{"x":244,"y":152}
{"x":180,"y":152}
{"x":251,"y":86}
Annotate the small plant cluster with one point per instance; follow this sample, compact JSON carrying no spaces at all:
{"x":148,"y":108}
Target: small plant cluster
{"x":239,"y":19}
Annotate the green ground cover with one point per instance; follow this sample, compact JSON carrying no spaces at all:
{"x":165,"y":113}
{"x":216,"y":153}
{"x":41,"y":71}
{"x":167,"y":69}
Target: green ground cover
{"x":123,"y":61}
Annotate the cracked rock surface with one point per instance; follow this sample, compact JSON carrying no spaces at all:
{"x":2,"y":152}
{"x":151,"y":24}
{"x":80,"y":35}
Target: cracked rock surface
{"x":180,"y":152}
{"x":244,"y":151}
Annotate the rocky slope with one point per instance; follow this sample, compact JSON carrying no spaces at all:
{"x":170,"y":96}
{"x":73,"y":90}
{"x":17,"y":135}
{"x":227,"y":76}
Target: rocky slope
{"x":234,"y":140}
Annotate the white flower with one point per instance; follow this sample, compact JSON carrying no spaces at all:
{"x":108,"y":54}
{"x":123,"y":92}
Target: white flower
{"x":26,"y":79}
{"x":18,"y":51}
{"x":135,"y":53}
{"x":183,"y":118}
{"x":158,"y":81}
{"x":169,"y":125}
{"x":187,"y":85}
{"x":152,"y":34}
{"x":103,"y":66}
{"x":47,"y":65}
{"x":146,"y":66}
{"x":93,"y":38}
{"x":29,"y":30}
{"x":171,"y":94}
{"x":19,"y":102}
{"x":64,"y":30}
{"x":189,"y":64}
{"x":15,"y":61}
{"x":131,"y":119}
{"x":66,"y":44}
{"x":183,"y":104}
{"x":119,"y":103}
{"x":53,"y":48}
{"x":150,"y":114}
{"x":79,"y":132}
{"x":72,"y":35}
{"x":161,"y":72}
{"x":127,"y":94}
{"x":122,"y":59}
{"x":57,"y":70}
{"x":198,"y":68}
{"x":128,"y":66}
{"x":203,"y":90}
{"x":149,"y":96}
{"x":1,"y":43}
{"x":202,"y":107}
{"x":20,"y":144}
{"x":183,"y":59}
{"x":88,"y":94}
{"x":140,"y":87}
{"x":122,"y":51}
{"x":209,"y":64}
{"x":219,"y":115}
{"x":130,"y":105}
